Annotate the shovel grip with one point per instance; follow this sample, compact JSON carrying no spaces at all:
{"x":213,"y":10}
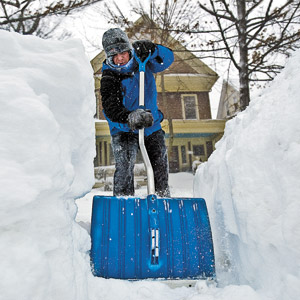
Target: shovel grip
{"x":142,"y":64}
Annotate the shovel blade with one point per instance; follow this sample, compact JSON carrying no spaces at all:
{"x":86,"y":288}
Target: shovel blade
{"x":136,"y":238}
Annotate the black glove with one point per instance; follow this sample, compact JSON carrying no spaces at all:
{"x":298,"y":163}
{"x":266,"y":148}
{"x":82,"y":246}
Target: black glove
{"x":143,"y":48}
{"x":140,"y":118}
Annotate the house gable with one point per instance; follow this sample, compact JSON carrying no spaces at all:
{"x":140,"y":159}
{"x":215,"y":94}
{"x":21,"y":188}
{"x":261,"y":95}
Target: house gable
{"x":187,"y":73}
{"x":187,"y":81}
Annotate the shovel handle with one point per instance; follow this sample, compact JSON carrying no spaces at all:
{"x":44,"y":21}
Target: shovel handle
{"x":148,"y":166}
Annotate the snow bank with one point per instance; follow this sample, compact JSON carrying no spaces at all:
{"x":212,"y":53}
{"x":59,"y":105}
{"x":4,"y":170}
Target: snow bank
{"x":46,"y":157}
{"x":251,"y":184}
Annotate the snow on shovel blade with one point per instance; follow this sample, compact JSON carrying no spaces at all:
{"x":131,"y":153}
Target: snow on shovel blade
{"x":134,"y":238}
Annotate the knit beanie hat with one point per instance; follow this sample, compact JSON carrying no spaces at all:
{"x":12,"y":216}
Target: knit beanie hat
{"x":115,"y":41}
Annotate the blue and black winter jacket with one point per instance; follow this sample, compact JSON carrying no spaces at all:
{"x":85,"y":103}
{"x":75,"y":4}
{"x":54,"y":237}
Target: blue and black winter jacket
{"x":120,"y":90}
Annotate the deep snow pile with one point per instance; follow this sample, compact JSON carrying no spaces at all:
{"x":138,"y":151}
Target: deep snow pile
{"x":252,"y":187}
{"x":46,"y":157}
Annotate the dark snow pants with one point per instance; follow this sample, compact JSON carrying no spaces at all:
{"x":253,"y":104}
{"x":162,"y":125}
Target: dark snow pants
{"x":125,"y":147}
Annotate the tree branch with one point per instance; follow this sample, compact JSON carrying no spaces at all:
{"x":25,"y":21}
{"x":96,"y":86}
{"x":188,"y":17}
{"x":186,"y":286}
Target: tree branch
{"x":213,"y":13}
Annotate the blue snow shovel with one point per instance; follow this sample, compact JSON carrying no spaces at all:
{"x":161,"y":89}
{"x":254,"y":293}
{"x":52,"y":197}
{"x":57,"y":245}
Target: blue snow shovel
{"x":140,"y":238}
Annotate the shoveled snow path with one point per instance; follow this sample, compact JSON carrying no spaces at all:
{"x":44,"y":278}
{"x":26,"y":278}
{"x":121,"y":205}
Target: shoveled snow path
{"x":181,"y":185}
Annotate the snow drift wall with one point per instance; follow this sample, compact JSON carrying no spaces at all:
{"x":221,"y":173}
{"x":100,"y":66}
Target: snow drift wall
{"x":46,"y":157}
{"x":251,"y":184}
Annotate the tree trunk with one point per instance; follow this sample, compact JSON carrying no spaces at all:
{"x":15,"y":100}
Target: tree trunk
{"x":243,"y":48}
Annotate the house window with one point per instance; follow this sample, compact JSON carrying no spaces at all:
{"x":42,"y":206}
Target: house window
{"x":198,"y":150}
{"x":189,"y":107}
{"x":183,"y":154}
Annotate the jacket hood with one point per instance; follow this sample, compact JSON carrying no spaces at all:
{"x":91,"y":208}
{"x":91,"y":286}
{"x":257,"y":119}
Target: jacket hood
{"x":130,"y":67}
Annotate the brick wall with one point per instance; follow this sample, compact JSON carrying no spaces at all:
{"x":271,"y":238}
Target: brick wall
{"x":175,"y":105}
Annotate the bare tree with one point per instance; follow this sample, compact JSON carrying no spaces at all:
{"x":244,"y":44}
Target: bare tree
{"x":33,"y":16}
{"x":255,"y":35}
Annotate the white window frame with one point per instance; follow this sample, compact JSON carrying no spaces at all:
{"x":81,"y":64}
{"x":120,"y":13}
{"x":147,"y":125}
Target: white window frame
{"x":183,"y":106}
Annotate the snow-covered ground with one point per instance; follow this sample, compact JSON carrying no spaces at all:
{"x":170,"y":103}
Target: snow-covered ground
{"x":251,"y":185}
{"x":181,"y":185}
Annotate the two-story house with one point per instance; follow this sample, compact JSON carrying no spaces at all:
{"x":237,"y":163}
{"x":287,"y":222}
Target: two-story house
{"x":183,"y":97}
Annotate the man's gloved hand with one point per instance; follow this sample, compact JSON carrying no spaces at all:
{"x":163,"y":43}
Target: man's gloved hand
{"x":143,"y":48}
{"x":140,"y":118}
